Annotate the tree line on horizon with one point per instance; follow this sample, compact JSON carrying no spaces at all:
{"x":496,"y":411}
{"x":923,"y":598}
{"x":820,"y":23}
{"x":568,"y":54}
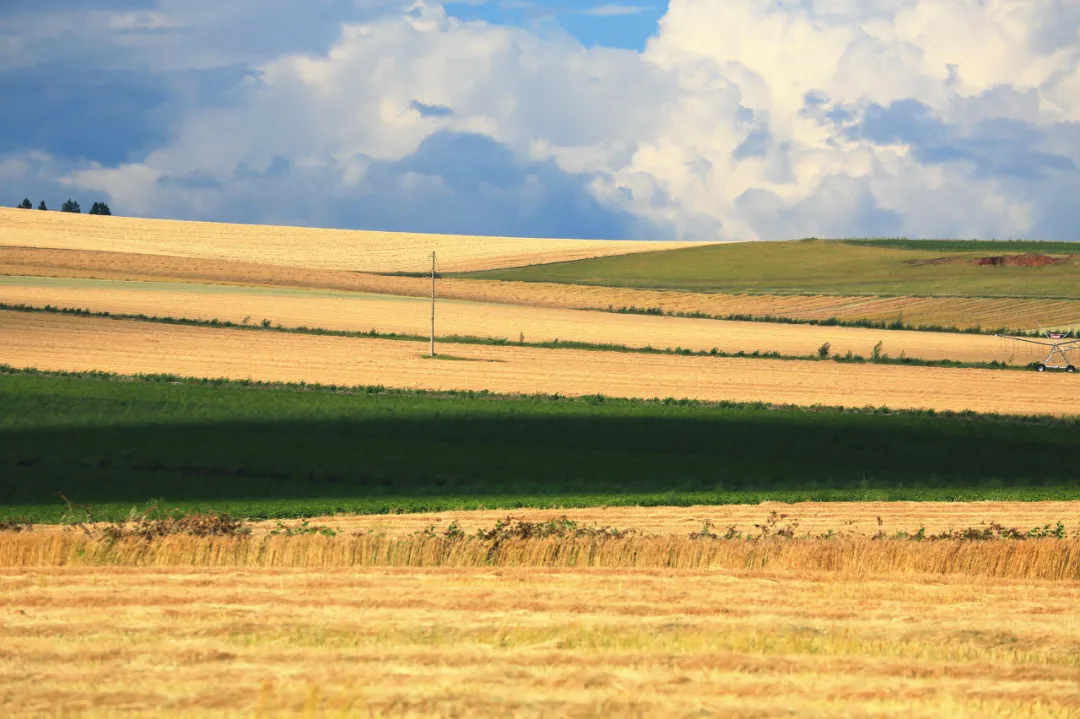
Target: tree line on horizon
{"x":98,"y":208}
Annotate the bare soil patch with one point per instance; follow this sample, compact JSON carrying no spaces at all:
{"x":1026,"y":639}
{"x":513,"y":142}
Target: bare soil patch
{"x":1026,"y":259}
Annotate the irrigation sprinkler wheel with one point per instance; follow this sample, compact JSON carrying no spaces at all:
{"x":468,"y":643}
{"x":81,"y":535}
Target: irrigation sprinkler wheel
{"x":1040,"y":367}
{"x":1070,"y":368}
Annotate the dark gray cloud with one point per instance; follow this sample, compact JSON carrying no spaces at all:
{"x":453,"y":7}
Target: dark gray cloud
{"x":756,"y":144}
{"x":453,"y":183}
{"x":838,"y":205}
{"x":109,"y":116}
{"x":431,"y":110}
{"x":470,"y":184}
{"x":995,"y":146}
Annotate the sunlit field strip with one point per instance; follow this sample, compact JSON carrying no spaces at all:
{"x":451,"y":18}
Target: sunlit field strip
{"x":961,"y":312}
{"x":74,"y":343}
{"x":353,"y":250}
{"x":863,"y":519}
{"x":386,"y":314}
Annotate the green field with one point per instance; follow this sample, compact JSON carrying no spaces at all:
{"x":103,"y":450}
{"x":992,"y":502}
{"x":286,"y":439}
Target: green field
{"x":280,"y":451}
{"x":823,"y":267}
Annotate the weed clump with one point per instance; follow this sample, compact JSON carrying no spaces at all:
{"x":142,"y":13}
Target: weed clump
{"x":559,"y":528}
{"x":771,"y":528}
{"x":154,"y":523}
{"x":16,"y":524}
{"x":993,"y":530}
{"x":511,"y":529}
{"x":305,"y":528}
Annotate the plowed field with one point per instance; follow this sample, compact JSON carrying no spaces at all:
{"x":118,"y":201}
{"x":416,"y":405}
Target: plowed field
{"x":102,"y":641}
{"x":296,"y":246}
{"x":363,"y":312}
{"x":961,"y":312}
{"x":73,"y":343}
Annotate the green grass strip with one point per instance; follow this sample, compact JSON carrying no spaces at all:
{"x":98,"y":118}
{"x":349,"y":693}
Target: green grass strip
{"x":553,"y":398}
{"x":1050,"y":247}
{"x":273,"y":449}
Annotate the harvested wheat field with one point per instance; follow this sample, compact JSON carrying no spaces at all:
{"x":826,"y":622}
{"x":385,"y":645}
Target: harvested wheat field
{"x":182,"y":641}
{"x":129,"y":347}
{"x":407,"y":315}
{"x":944,"y":311}
{"x":297,"y":246}
{"x":963,"y":312}
{"x":845,"y":518}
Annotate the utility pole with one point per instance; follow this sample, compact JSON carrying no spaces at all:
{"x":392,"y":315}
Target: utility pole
{"x":433,"y":303}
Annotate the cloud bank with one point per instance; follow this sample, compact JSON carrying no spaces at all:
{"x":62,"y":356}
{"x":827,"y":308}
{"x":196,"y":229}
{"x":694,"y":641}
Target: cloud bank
{"x":740,"y":119}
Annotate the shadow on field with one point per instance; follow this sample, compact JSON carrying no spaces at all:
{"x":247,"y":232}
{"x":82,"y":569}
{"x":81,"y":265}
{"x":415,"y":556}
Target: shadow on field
{"x":506,"y":450}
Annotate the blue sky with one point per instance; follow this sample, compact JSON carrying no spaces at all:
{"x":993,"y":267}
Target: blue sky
{"x":694,"y":119}
{"x":626,"y":25}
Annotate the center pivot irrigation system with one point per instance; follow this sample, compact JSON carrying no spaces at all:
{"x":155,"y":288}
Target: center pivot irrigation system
{"x":1059,"y":345}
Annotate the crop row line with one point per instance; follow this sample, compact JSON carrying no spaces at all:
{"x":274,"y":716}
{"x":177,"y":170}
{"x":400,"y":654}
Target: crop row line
{"x":862,"y":323}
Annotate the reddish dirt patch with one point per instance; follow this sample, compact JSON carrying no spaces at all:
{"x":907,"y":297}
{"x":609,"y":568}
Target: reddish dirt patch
{"x":1028,"y":259}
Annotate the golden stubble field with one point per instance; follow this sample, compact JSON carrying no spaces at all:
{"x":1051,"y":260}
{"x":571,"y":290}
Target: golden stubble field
{"x":943,"y":311}
{"x":862,"y":519}
{"x":531,"y":642}
{"x":407,"y":626}
{"x":409,"y":315}
{"x":75,"y":344}
{"x":354,"y":250}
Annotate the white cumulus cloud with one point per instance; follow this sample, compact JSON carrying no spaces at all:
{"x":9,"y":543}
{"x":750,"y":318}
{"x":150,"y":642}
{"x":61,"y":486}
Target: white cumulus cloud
{"x":741,"y":119}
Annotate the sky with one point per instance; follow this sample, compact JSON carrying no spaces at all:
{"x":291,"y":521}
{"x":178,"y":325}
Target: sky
{"x":688,"y":119}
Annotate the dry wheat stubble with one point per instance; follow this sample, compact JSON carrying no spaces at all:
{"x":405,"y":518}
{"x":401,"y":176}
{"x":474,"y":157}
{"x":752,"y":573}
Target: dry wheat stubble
{"x":75,"y":343}
{"x":532,"y":642}
{"x":297,"y":246}
{"x":943,"y":311}
{"x":862,"y":518}
{"x":363,"y":312}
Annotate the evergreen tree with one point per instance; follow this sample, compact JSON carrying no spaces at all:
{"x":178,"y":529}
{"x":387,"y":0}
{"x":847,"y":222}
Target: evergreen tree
{"x":41,"y":205}
{"x":70,"y":206}
{"x":100,"y":208}
{"x":26,"y":204}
